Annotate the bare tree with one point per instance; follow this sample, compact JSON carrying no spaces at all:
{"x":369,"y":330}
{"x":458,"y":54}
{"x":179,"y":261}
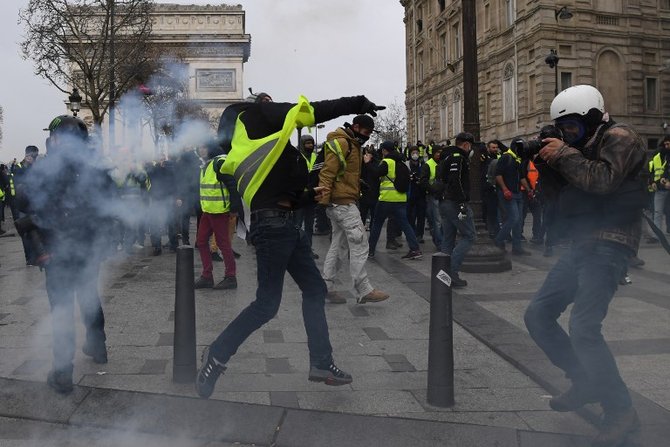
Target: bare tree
{"x":97,"y":46}
{"x":391,"y":124}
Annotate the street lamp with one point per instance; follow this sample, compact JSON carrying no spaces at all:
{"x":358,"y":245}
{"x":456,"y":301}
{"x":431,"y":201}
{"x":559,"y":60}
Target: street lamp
{"x":552,"y":60}
{"x":316,"y":133}
{"x":75,"y":101}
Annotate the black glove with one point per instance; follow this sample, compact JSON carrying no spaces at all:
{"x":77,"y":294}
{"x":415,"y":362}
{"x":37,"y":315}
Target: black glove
{"x":370,"y":107}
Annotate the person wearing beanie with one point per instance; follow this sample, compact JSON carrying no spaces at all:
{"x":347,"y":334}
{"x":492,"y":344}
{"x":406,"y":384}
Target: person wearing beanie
{"x":304,"y":217}
{"x":341,"y":175}
{"x":393,"y":188}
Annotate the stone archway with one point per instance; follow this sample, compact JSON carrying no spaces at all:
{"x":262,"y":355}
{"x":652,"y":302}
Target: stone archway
{"x":611,"y":81}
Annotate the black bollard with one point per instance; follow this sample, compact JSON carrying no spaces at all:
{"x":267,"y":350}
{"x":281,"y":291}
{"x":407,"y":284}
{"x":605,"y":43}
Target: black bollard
{"x":440,"y":391}
{"x":184,"y":357}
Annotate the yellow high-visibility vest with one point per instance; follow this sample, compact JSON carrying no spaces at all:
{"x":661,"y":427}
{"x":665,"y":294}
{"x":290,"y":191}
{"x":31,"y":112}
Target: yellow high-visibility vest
{"x":214,"y":196}
{"x":432,"y":167}
{"x":250,"y":161}
{"x":657,"y":167}
{"x":387,"y":192}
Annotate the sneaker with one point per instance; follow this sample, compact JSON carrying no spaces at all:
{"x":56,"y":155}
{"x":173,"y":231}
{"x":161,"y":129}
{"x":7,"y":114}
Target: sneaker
{"x":60,"y":381}
{"x":457,"y":282}
{"x":397,"y":242}
{"x":548,"y":252}
{"x":138,"y":246}
{"x":208,"y":374}
{"x":413,"y":254}
{"x":617,"y":428}
{"x":625,"y":281}
{"x":236,"y":255}
{"x":335,"y":298}
{"x":216,"y":257}
{"x":521,"y":252}
{"x":635,"y":262}
{"x":330,"y":375}
{"x":98,"y":351}
{"x":157,"y":251}
{"x":373,"y":297}
{"x":204,"y":283}
{"x":229,"y":282}
{"x":371,"y":255}
{"x":573,"y":399}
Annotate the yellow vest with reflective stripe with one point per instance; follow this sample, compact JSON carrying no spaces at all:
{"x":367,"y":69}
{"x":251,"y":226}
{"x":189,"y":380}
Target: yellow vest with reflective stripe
{"x":657,"y":167}
{"x":310,"y":161}
{"x":432,"y":167}
{"x":387,"y":192}
{"x":214,"y":196}
{"x":12,"y":188}
{"x":334,"y":147}
{"x":2,"y":195}
{"x":250,"y":161}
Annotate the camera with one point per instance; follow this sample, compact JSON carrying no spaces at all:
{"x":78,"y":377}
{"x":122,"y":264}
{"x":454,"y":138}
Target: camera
{"x":528,"y":149}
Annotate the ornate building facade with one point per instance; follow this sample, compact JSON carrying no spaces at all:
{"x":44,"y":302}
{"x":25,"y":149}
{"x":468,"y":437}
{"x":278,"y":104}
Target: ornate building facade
{"x":620,"y":46}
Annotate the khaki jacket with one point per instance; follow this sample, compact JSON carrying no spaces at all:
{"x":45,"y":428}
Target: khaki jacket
{"x":345,"y":189}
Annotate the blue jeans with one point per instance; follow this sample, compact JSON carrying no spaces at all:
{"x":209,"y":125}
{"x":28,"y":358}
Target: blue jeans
{"x":588,"y":277}
{"x":433,"y":215}
{"x":397,"y":210}
{"x":451,"y":225}
{"x":281,"y":248}
{"x":513,"y":220}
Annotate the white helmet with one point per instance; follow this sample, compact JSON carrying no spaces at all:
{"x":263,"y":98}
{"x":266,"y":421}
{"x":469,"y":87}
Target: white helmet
{"x":579,"y":100}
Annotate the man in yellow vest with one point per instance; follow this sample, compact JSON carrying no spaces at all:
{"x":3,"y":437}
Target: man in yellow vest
{"x":660,"y":184}
{"x":393,"y":200}
{"x":219,"y":202}
{"x":271,"y":175}
{"x":304,"y":217}
{"x":427,"y":181}
{"x":341,"y":174}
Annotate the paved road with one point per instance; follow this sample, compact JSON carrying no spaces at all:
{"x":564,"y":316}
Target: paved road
{"x":501,"y":378}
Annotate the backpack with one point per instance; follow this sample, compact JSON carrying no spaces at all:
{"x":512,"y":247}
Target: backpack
{"x":401,"y":181}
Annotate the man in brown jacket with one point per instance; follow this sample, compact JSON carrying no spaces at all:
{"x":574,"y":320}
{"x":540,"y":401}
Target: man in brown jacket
{"x":601,"y":208}
{"x":341,"y":174}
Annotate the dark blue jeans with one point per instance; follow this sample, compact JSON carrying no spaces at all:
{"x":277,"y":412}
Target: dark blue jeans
{"x":433,"y":215}
{"x":587,"y":277}
{"x":397,"y":210}
{"x":306,"y":216}
{"x":451,"y":225}
{"x":281,"y":248}
{"x":513,"y":220}
{"x":66,"y":279}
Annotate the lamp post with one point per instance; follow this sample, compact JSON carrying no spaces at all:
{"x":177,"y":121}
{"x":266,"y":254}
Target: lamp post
{"x":316,"y":133}
{"x":552,"y":60}
{"x":75,"y":101}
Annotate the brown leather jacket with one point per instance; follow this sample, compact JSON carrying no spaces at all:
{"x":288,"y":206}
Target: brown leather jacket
{"x":600,"y":168}
{"x":345,"y":189}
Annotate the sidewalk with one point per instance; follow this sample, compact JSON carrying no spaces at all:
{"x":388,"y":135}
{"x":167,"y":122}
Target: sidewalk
{"x":265,"y":398}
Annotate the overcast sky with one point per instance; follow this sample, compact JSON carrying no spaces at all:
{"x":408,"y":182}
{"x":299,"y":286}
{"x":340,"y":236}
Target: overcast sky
{"x":323,"y":49}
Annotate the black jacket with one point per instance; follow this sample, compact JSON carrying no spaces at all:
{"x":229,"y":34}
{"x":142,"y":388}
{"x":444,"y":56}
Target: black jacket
{"x":454,"y":173}
{"x":288,"y":178}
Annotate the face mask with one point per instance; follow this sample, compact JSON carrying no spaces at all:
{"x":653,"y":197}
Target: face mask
{"x":362,"y":139}
{"x":415,"y":157}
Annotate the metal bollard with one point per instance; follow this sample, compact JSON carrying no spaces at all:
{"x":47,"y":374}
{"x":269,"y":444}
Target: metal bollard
{"x":440,"y":391}
{"x":184,"y":357}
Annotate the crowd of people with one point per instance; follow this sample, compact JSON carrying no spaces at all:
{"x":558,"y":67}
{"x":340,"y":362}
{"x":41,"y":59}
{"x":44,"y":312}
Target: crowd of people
{"x":75,"y":208}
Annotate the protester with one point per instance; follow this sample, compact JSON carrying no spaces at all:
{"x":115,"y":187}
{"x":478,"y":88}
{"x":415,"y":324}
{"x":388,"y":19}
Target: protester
{"x":69,"y":201}
{"x":416,"y":196}
{"x":341,"y":175}
{"x":274,"y":187}
{"x":427,"y":181}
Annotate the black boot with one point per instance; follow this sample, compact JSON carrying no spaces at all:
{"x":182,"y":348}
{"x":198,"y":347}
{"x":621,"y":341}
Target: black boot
{"x":574,"y":398}
{"x":617,"y":428}
{"x":60,"y":380}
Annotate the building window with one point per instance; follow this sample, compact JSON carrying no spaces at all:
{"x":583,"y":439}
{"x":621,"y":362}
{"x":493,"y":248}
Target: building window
{"x":420,"y":60}
{"x":665,"y":4}
{"x":419,"y":19}
{"x":422,"y":127}
{"x":444,"y":50}
{"x":509,"y":93}
{"x":441,"y":3}
{"x":566,"y":80}
{"x":532,"y":93}
{"x":487,"y":17}
{"x":456,"y":40}
{"x":651,"y":94}
{"x":456,"y":123}
{"x":488,"y":113}
{"x":510,"y":11}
